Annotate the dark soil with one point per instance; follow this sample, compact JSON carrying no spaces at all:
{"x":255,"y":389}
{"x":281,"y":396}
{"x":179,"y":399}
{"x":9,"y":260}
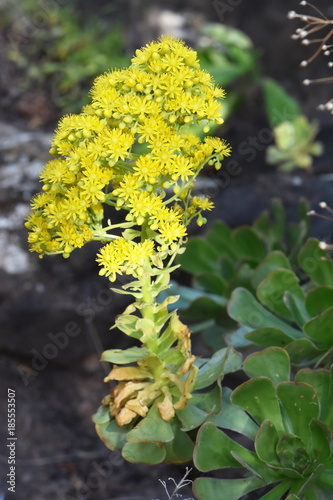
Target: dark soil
{"x":59,"y":456}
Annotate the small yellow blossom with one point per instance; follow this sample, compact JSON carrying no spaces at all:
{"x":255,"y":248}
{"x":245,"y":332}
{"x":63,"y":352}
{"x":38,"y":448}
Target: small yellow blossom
{"x":202,"y":203}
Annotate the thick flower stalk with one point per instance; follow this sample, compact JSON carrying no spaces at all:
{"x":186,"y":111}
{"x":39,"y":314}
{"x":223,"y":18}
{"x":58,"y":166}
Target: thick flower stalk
{"x":132,"y":149}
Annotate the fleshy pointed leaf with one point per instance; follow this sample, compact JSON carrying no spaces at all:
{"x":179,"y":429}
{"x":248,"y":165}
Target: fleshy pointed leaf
{"x":276,"y":98}
{"x":272,"y":362}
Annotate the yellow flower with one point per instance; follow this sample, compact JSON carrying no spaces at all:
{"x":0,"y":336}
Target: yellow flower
{"x":113,"y":144}
{"x":142,"y":203}
{"x":127,"y":187}
{"x":202,"y":203}
{"x":122,"y":255}
{"x":153,"y":102}
{"x":146,"y":169}
{"x":181,"y":167}
{"x":171,"y":231}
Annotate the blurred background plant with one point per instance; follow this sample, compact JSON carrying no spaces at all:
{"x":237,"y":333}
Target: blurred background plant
{"x":320,"y":26}
{"x":229,"y":55}
{"x":61,"y":51}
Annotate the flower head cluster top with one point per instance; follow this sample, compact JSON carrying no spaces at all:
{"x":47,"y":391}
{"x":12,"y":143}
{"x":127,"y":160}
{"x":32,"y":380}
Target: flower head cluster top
{"x":150,"y":105}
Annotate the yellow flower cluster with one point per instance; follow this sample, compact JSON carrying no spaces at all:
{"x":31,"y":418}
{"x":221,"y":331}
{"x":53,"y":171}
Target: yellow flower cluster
{"x":149,"y":106}
{"x":123,"y":256}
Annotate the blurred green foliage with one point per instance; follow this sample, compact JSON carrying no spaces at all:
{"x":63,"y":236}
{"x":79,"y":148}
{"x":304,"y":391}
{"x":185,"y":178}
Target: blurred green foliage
{"x":58,"y":50}
{"x":229,"y":55}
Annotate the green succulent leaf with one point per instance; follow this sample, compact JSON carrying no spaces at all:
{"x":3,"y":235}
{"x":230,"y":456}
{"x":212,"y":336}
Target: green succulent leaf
{"x":102,"y":415}
{"x":272,"y":362}
{"x":273,"y":261}
{"x":180,"y":449}
{"x":144,"y":453}
{"x":296,"y":305}
{"x":319,"y":299}
{"x":213,"y":450}
{"x":219,"y":236}
{"x":212,"y":282}
{"x":265,"y":443}
{"x":316,"y":263}
{"x":300,"y":405}
{"x":277,"y":492}
{"x":206,"y":488}
{"x":301,"y":349}
{"x":113,"y":436}
{"x":271,"y":291}
{"x":248,"y":245}
{"x":244,"y":308}
{"x":320,"y":380}
{"x":223,"y":361}
{"x":292,"y":453}
{"x":232,"y":417}
{"x":259,"y":398}
{"x":126,"y":356}
{"x":200,"y":257}
{"x":151,"y":429}
{"x":320,"y":440}
{"x":320,"y":329}
{"x":199,"y":408}
{"x":203,"y":308}
{"x":269,"y":336}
